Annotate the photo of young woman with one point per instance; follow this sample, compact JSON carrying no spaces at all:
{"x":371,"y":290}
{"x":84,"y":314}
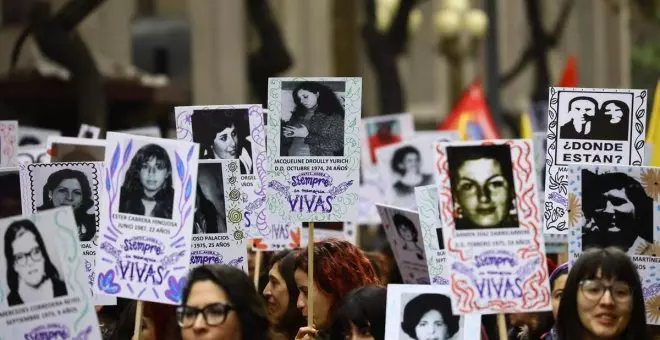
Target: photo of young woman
{"x":147,"y":188}
{"x":31,"y":272}
{"x":70,"y":187}
{"x":481,"y":179}
{"x":210,"y":216}
{"x":223,"y":134}
{"x":313,"y":121}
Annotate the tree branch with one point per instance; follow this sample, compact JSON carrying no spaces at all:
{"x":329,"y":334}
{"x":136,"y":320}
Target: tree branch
{"x":560,"y":25}
{"x":525,"y":58}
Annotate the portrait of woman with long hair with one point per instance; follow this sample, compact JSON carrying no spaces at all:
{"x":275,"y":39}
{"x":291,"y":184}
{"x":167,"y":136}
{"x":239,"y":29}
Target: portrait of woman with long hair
{"x":223,"y":134}
{"x":316,"y":123}
{"x":69,"y":187}
{"x":31,"y":274}
{"x":147,"y":189}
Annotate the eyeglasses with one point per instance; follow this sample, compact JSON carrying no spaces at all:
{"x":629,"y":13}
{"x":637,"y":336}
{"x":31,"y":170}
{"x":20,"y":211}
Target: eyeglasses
{"x":35,"y":255}
{"x":214,"y":314}
{"x":594,"y":290}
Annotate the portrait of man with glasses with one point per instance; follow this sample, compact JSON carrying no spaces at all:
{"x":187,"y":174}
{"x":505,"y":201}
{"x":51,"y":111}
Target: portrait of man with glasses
{"x":31,"y":273}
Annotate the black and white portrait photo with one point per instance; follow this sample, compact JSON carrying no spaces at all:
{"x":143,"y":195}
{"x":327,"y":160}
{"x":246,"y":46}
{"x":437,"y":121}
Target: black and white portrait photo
{"x":56,"y":186}
{"x":594,"y":117}
{"x":223,"y":134}
{"x":482,"y":186}
{"x":32,"y":266}
{"x":408,"y":234}
{"x":147,"y":187}
{"x":313,"y":117}
{"x":10,"y":195}
{"x":33,"y":136}
{"x":617,"y":211}
{"x":441,"y":240}
{"x":210,"y":213}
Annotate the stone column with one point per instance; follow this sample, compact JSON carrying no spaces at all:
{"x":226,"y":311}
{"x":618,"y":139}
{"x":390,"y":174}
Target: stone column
{"x":219,"y":56}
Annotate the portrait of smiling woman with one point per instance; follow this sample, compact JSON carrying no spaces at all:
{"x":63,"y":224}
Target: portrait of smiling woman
{"x":69,"y":187}
{"x":223,"y":134}
{"x":429,"y":316}
{"x":147,"y":189}
{"x":482,"y":187}
{"x":31,"y":274}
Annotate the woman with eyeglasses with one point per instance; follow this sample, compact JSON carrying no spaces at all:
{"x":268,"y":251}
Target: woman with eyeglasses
{"x":221,"y":303}
{"x":31,"y":275}
{"x":602,"y":299}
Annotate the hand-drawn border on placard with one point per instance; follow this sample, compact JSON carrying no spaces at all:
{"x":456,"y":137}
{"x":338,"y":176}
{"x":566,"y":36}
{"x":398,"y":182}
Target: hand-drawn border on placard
{"x":342,"y":202}
{"x":427,"y":205}
{"x":233,"y":202}
{"x":9,"y":138}
{"x":529,"y":218}
{"x":555,"y":205}
{"x":113,"y":171}
{"x":257,"y":130}
{"x":95,"y":185}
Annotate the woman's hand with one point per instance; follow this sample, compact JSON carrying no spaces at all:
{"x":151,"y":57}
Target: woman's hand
{"x":306,"y":333}
{"x":293,"y":131}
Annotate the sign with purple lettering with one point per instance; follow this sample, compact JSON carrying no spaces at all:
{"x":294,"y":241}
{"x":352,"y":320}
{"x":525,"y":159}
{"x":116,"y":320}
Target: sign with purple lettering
{"x":613,"y":206}
{"x":404,"y":234}
{"x":218,"y":235}
{"x":492,"y":226}
{"x":431,"y":226}
{"x":8,"y":142}
{"x":589,"y":126}
{"x":51,"y":185}
{"x":147,"y":215}
{"x":313,"y":148}
{"x":43,"y":291}
{"x":233,"y":132}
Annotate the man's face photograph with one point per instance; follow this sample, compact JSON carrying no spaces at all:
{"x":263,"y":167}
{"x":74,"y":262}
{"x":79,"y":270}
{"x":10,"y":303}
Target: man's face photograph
{"x":582,"y":109}
{"x":614,"y":213}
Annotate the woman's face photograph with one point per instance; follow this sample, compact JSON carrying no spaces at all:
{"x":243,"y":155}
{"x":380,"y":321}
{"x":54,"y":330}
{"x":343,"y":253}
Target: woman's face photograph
{"x":411,"y":163}
{"x":613,"y":112}
{"x":153,"y":174}
{"x":68,"y":192}
{"x":483,"y":192}
{"x":431,"y":326}
{"x":308,"y":99}
{"x":28,"y":258}
{"x":224,"y":144}
{"x":406,"y":233}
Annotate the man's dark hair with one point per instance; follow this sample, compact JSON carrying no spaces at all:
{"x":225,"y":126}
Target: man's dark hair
{"x":593,"y":101}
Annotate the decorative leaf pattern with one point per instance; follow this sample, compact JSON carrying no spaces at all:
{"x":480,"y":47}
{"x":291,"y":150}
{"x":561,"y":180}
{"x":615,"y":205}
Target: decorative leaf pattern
{"x":127,"y":152}
{"x":106,"y":283}
{"x":175,"y":290}
{"x":115,"y":161}
{"x":179,"y":166}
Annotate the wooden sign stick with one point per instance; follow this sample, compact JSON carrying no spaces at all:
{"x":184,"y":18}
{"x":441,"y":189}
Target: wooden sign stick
{"x":310,"y":275}
{"x":258,"y":258}
{"x":501,"y":326}
{"x":137,"y":331}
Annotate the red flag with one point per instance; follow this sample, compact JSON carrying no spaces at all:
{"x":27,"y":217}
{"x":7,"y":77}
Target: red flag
{"x":569,"y":77}
{"x":473,"y":104}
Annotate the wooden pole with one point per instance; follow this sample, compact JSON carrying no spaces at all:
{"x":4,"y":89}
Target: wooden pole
{"x":501,"y":326}
{"x":310,"y":275}
{"x":563,"y":256}
{"x":258,"y":257}
{"x":137,"y":331}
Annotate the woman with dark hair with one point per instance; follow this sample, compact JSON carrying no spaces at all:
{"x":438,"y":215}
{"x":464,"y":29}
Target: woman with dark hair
{"x":221,"y":303}
{"x":407,"y":163}
{"x":339,"y":267}
{"x":557,"y":284}
{"x":223,"y":134}
{"x":483,"y":191}
{"x":361,"y":315}
{"x":147,"y":189}
{"x":205,"y":220}
{"x":612,"y":121}
{"x":602,"y":298}
{"x":429,"y":316}
{"x":68,"y":187}
{"x":31,"y":275}
{"x":316,"y":126}
{"x":158,"y":322}
{"x":281,"y":294}
{"x":408,"y":233}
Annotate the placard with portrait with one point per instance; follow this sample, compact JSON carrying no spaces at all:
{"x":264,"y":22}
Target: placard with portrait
{"x":44,"y":293}
{"x":589,"y":126}
{"x":403,"y":231}
{"x":218,"y":233}
{"x":425,"y":312}
{"x":77,"y":185}
{"x":8,"y":143}
{"x":313,"y":148}
{"x":232,"y":132}
{"x":147,"y":204}
{"x":89,"y":131}
{"x":491,"y":222}
{"x":431,"y":227}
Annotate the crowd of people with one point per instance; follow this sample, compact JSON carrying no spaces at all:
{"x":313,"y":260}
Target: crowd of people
{"x":600,"y":297}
